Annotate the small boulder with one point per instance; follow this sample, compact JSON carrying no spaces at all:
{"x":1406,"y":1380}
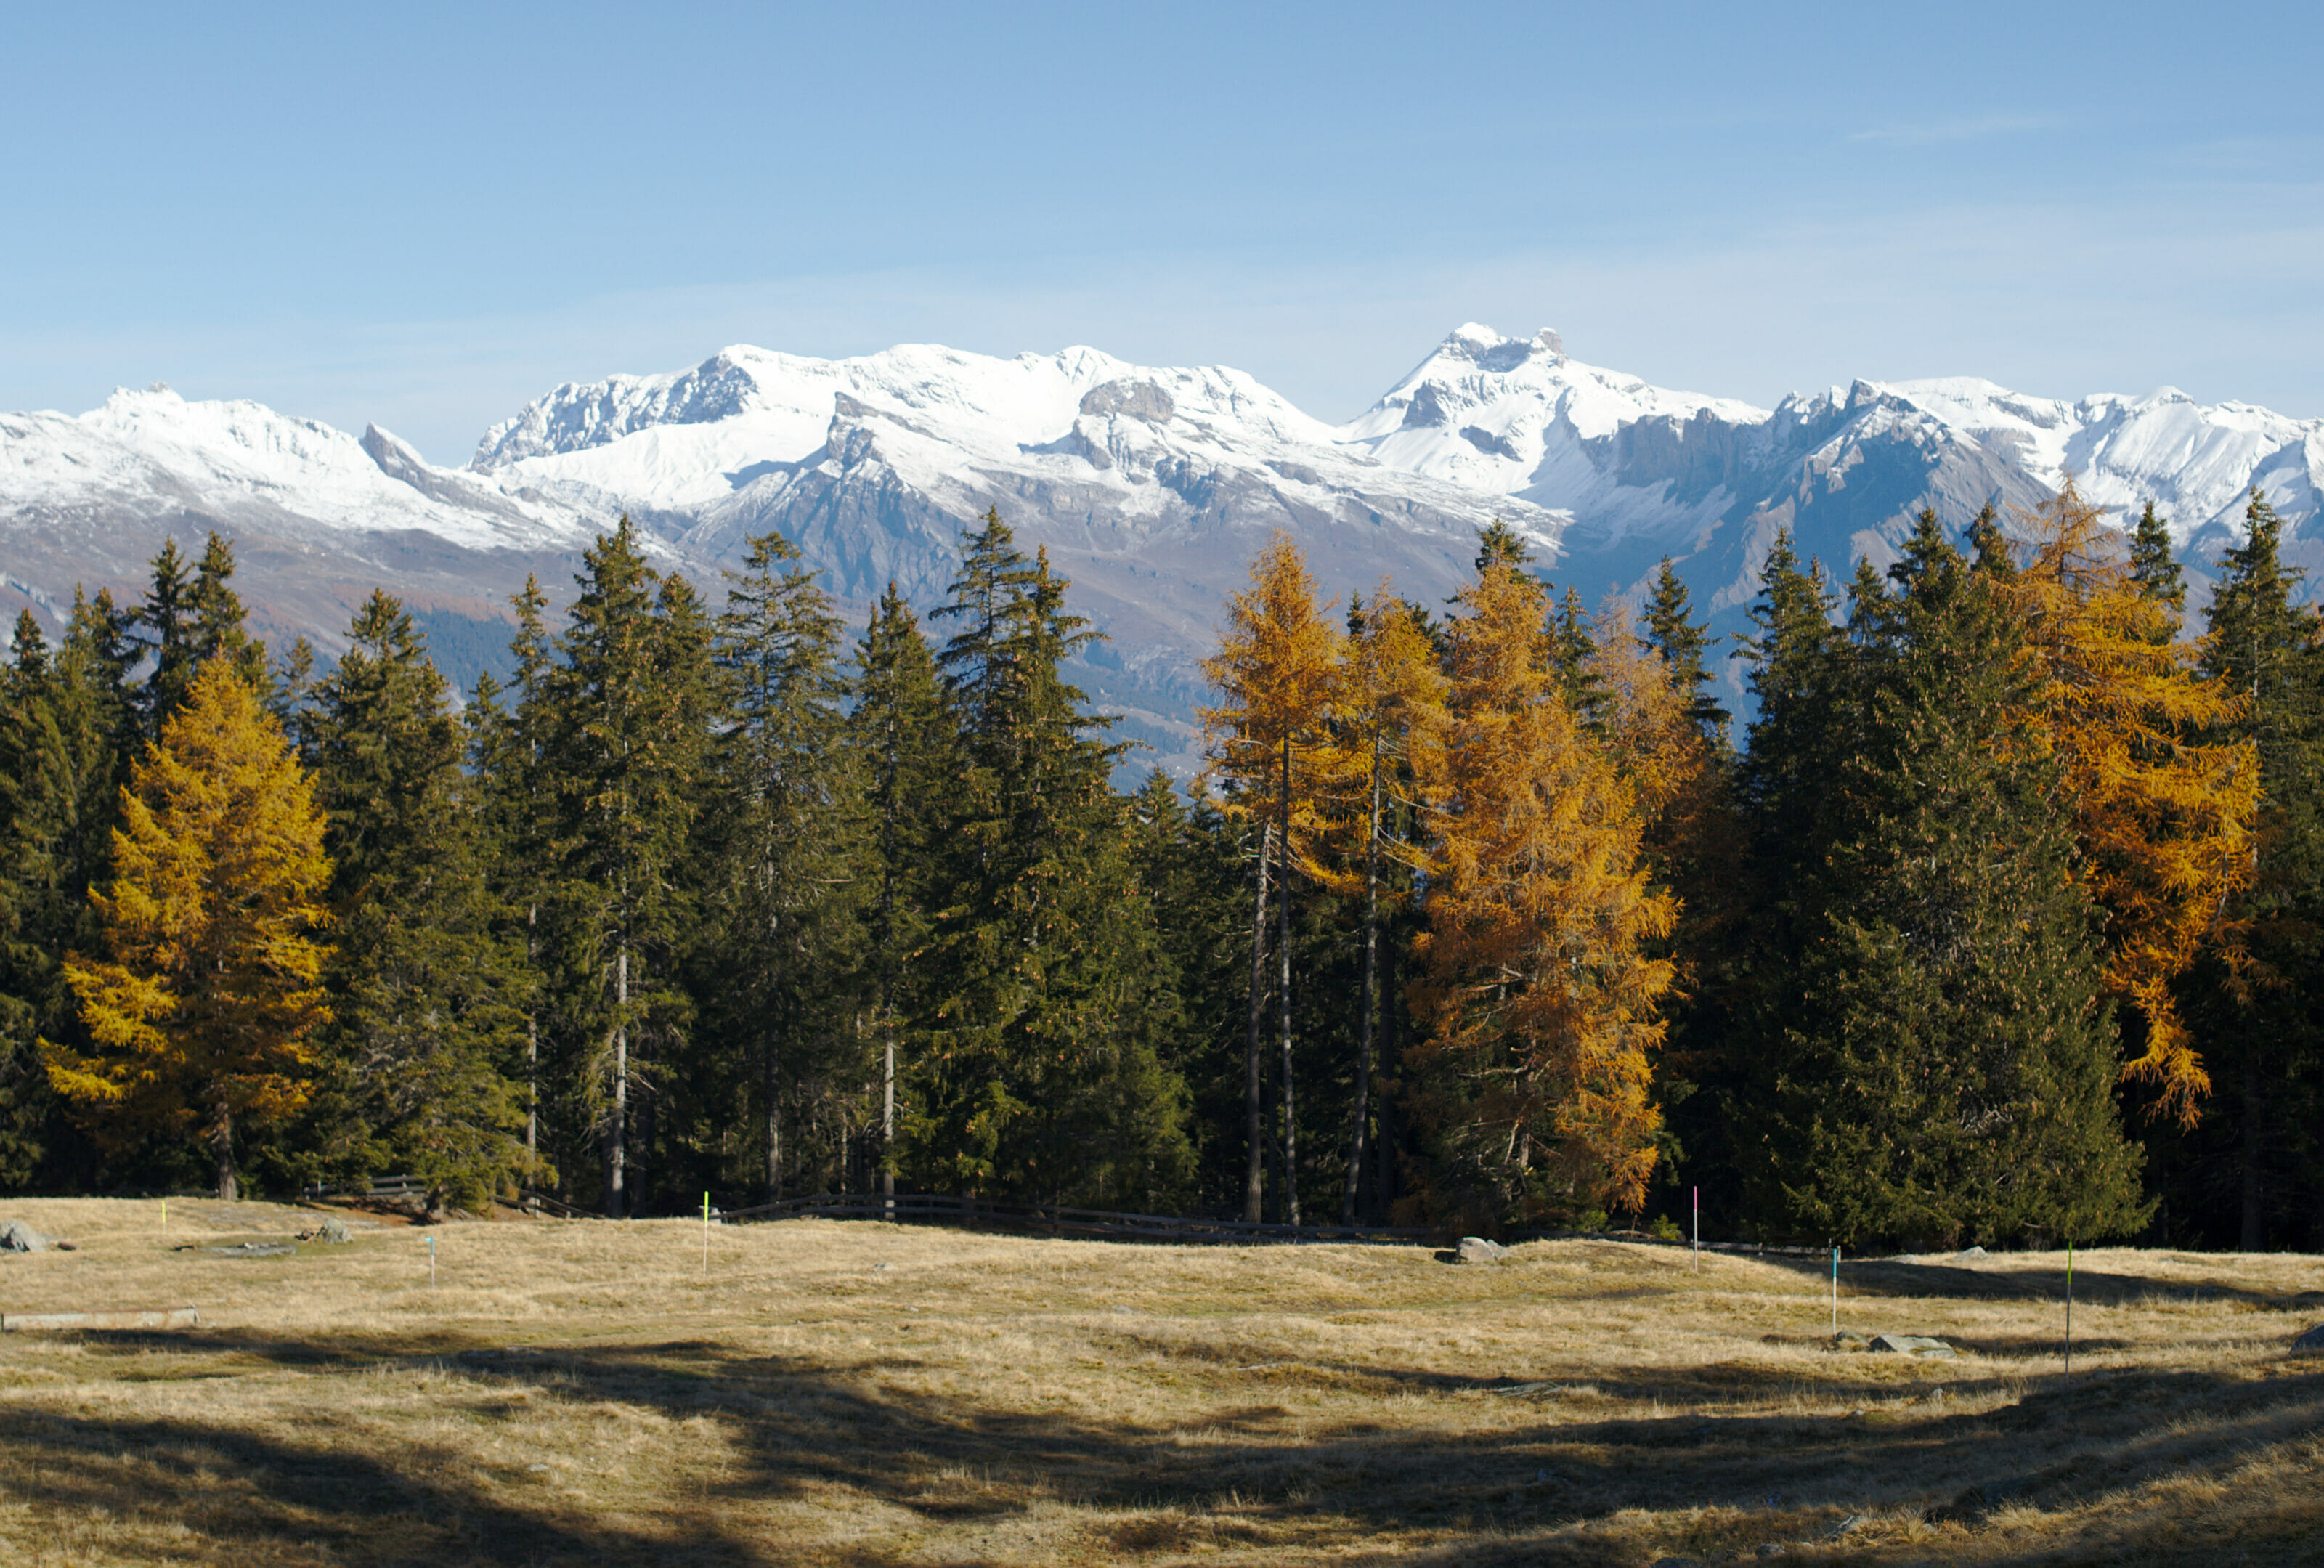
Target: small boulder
{"x":1970,"y":1255}
{"x":1847,"y":1339}
{"x":335,"y":1231}
{"x":16,"y":1236}
{"x":2311,"y":1343}
{"x":1477,"y":1250}
{"x":1912,"y":1344}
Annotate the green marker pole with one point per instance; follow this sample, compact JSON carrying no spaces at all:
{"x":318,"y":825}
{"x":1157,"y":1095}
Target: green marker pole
{"x":2070,"y":1309}
{"x":1835,"y":1291}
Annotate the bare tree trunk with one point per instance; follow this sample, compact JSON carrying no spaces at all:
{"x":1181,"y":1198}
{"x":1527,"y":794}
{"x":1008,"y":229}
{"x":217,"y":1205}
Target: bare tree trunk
{"x":532,"y":1049}
{"x":2254,"y":1227}
{"x":229,"y":1189}
{"x":1384,"y":1179}
{"x":771,"y":1085}
{"x":1253,"y":1181}
{"x":1359,"y":1118}
{"x":1283,"y":941}
{"x":888,"y":1116}
{"x":617,"y":1132}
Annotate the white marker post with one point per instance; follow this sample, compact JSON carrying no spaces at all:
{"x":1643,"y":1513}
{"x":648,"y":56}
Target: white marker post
{"x":705,"y":1235}
{"x":1698,"y":1229}
{"x":431,"y":1262}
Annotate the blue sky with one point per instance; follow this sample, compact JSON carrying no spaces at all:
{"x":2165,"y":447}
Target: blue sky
{"x":424,"y":216}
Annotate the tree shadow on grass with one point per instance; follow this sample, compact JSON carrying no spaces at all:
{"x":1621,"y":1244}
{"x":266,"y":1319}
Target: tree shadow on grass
{"x":870,"y":1435}
{"x":1895,"y":1276}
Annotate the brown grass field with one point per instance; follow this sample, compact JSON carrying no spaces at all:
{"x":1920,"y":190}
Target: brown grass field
{"x":575,"y":1392}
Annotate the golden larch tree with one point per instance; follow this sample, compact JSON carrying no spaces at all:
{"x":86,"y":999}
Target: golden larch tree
{"x":1540,"y":998}
{"x":2162,"y":817}
{"x":1386,"y":724}
{"x":1276,"y":672}
{"x":200,"y":1018}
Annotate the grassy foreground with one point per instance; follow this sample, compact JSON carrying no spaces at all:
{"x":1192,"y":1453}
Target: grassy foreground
{"x":857,"y":1394}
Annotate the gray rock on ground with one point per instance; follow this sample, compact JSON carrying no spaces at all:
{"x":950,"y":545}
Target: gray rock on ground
{"x":335,"y":1231}
{"x":1970,"y":1255}
{"x":1912,"y":1344}
{"x":1477,"y":1250}
{"x":2311,"y":1343}
{"x":16,"y":1236}
{"x":253,"y":1250}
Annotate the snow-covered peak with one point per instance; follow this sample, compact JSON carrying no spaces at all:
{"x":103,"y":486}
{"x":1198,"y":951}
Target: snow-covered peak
{"x":1502,"y":413}
{"x":2196,"y":462}
{"x":691,"y":436}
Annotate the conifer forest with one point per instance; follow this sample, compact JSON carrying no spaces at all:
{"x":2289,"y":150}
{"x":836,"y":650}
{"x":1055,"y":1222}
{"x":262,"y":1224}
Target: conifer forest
{"x":1994,"y":917}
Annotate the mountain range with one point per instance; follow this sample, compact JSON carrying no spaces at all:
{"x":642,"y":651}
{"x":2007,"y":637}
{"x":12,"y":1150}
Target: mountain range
{"x":1149,"y":487}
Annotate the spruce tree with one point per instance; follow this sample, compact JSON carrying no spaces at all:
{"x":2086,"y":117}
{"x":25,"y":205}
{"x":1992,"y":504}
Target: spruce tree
{"x":623,"y":720}
{"x":789,"y":833}
{"x":2259,"y":1025}
{"x":425,"y":1025}
{"x":2154,"y":565}
{"x":66,"y":739}
{"x":902,"y":735}
{"x":1942,"y":1066}
{"x":1673,"y":632}
{"x":1044,"y":1074}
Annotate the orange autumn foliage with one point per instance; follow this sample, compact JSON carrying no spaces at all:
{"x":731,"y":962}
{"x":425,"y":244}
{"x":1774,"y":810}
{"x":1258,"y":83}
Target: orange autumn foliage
{"x":2162,"y":817}
{"x":199,"y":1020}
{"x":1277,"y":670}
{"x":1539,"y":997}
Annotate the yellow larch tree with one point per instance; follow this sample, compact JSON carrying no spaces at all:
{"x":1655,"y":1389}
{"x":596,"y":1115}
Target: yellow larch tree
{"x":200,"y":1017}
{"x":1277,"y":674}
{"x":1388,"y":721}
{"x":2164,"y":816}
{"x":1538,"y":994}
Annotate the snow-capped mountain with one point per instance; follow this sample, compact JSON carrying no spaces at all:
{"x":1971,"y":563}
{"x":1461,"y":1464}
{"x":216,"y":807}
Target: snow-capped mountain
{"x":1645,"y":472}
{"x":318,"y":516}
{"x":1150,"y":487}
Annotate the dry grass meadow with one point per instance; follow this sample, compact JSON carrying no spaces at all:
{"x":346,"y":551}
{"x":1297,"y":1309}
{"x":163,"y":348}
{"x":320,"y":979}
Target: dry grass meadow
{"x":573,"y":1392}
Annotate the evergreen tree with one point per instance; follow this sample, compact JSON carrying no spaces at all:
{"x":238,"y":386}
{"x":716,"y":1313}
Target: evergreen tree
{"x":623,"y":726}
{"x":2257,"y":1014}
{"x":202,"y":1018}
{"x":1672,"y":632}
{"x":425,"y":1027}
{"x":902,"y":735}
{"x":65,"y":745}
{"x":2154,"y":565}
{"x":1044,"y":1073}
{"x":1572,"y":654}
{"x":790,"y":877}
{"x":1942,"y":1066}
{"x":1189,"y":864}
